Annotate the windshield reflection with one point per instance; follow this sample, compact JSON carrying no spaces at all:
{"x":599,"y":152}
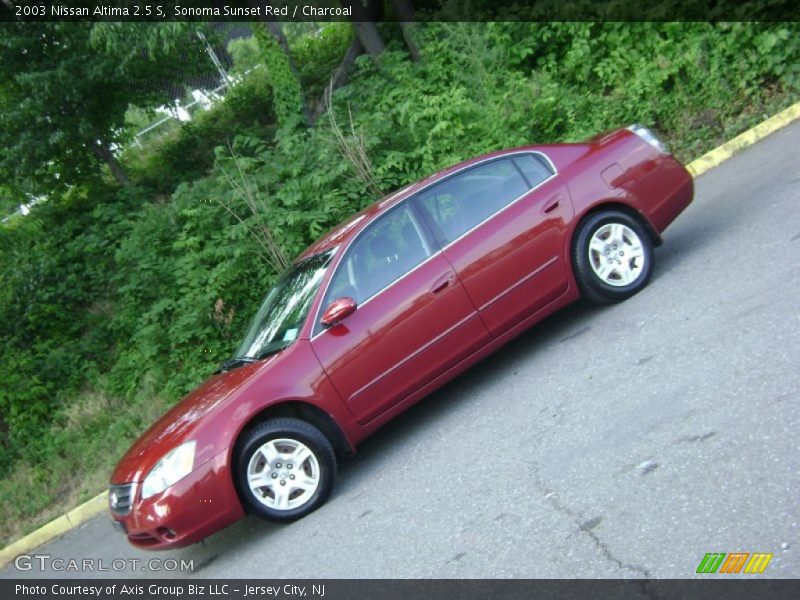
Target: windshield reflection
{"x":278,"y":321}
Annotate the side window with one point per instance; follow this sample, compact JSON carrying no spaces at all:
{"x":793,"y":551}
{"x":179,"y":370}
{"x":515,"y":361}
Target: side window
{"x":462,"y":202}
{"x":534,"y":167}
{"x":386,"y":251}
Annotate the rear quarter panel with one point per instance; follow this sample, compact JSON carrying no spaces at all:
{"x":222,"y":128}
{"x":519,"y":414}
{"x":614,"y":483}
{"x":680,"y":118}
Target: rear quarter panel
{"x":620,"y":168}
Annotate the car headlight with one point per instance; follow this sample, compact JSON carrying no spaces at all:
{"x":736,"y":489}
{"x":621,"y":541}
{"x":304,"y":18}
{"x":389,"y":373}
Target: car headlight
{"x":173,"y":466}
{"x":648,"y":136}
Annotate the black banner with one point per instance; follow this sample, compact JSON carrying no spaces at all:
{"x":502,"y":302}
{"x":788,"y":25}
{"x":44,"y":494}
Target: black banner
{"x":734,"y":588}
{"x":424,"y":10}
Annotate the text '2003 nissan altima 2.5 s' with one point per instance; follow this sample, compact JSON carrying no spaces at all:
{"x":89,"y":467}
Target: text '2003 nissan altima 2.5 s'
{"x":387,"y":308}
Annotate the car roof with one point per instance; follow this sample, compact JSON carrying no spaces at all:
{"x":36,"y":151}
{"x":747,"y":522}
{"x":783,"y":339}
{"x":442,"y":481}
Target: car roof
{"x":343,"y":232}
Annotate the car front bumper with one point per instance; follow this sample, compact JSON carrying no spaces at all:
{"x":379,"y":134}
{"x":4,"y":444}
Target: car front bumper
{"x":200,"y":504}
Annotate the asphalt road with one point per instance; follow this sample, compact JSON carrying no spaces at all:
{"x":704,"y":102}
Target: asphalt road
{"x":624,"y":441}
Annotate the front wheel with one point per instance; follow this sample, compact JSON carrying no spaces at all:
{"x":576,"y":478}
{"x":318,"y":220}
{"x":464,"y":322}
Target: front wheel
{"x":285,"y":469}
{"x":612,"y":256}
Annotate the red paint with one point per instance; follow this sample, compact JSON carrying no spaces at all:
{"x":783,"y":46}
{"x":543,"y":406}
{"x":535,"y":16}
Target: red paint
{"x":459,"y":305}
{"x":338,"y":310}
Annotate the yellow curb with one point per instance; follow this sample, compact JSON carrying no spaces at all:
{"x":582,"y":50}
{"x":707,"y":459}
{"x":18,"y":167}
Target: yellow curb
{"x":54,"y":528}
{"x":88,"y":509}
{"x":98,"y":504}
{"x":719,"y":155}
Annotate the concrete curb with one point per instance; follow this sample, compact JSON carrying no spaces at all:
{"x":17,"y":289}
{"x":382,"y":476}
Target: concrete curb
{"x":54,"y":528}
{"x":722,"y":153}
{"x":98,"y":504}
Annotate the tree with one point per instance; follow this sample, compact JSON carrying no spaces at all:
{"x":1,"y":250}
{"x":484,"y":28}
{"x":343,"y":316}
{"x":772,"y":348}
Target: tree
{"x":276,"y":31}
{"x":287,"y":94}
{"x":338,"y":77}
{"x":64,"y":93}
{"x":404,"y":11}
{"x":367,"y":37}
{"x":282,"y":86}
{"x":366,"y":31}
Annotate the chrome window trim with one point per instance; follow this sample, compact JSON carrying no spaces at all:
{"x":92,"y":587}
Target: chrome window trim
{"x":379,"y":292}
{"x":425,"y":244}
{"x":501,"y":211}
{"x":485,"y":160}
{"x":507,"y":206}
{"x":548,"y":162}
{"x":433,"y":184}
{"x":428,"y":250}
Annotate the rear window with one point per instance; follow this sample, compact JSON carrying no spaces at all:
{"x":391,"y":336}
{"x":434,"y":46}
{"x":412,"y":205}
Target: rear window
{"x":469,"y":198}
{"x":534,"y":168}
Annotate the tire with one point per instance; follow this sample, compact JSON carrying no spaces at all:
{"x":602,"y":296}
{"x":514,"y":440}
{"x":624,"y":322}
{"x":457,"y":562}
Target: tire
{"x":612,"y":256}
{"x":284,"y":469}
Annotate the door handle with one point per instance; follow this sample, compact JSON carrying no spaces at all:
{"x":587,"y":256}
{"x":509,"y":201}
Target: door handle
{"x":551,"y":205}
{"x":442,"y":283}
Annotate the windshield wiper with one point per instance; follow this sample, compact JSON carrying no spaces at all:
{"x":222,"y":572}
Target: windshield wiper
{"x":268,"y":351}
{"x":240,"y":361}
{"x":233,"y":363}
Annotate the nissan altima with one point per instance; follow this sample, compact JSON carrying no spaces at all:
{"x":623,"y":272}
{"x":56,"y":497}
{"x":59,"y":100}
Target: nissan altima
{"x":385,"y":309}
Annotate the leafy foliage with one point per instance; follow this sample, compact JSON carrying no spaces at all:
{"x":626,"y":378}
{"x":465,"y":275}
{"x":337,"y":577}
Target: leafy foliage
{"x":63,"y":101}
{"x":286,"y":92}
{"x":186,"y":153}
{"x":319,"y":54}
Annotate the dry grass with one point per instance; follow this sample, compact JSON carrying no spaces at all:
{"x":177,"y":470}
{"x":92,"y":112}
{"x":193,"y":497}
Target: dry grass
{"x":89,"y":406}
{"x":95,"y":433}
{"x":257,"y":203}
{"x":353,"y":148}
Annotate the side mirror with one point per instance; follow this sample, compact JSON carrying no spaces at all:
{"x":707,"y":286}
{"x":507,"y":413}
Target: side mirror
{"x":338,"y":310}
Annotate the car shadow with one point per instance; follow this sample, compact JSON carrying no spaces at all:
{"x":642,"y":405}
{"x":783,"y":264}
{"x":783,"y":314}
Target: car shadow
{"x":697,"y":227}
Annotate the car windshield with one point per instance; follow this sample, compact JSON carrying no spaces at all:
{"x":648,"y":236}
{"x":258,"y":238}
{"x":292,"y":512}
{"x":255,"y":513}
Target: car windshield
{"x":285,"y":308}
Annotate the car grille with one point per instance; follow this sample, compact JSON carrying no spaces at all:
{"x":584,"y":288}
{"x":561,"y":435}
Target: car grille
{"x":120,"y":498}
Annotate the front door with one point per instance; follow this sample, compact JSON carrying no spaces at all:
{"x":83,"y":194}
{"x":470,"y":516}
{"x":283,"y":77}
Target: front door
{"x":413,"y":319}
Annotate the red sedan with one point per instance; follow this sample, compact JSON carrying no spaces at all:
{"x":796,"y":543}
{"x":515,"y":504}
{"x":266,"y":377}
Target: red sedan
{"x":387,"y":308}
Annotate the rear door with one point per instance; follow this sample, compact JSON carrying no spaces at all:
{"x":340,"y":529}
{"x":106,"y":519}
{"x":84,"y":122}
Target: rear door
{"x":413,"y":321}
{"x":502,"y":225}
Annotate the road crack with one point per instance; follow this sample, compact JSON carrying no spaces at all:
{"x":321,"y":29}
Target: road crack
{"x":587,"y":527}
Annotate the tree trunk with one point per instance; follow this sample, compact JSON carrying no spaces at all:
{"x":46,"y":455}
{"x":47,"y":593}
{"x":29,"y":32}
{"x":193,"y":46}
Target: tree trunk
{"x":103,"y":152}
{"x":369,"y":37}
{"x":366,"y":31}
{"x":404,"y":11}
{"x":275,"y":30}
{"x":339,"y":76}
{"x":408,"y":36}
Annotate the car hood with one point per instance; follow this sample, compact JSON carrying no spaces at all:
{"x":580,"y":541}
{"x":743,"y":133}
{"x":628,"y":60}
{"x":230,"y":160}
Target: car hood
{"x":177,"y":425}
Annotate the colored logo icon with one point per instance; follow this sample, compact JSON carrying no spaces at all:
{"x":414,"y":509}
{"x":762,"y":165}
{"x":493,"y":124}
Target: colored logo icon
{"x":734,"y":562}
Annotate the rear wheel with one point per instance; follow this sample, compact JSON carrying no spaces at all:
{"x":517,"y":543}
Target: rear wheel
{"x":285,"y":469}
{"x":612,"y":256}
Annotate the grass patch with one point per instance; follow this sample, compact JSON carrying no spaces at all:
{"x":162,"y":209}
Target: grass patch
{"x":705,"y":131}
{"x":96,"y":432}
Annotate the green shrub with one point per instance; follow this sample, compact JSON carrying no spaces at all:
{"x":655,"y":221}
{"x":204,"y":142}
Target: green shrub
{"x":186,"y":153}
